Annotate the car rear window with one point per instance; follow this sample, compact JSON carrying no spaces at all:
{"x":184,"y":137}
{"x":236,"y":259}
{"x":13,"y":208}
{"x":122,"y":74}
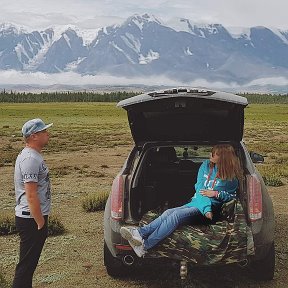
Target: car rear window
{"x":195,"y":152}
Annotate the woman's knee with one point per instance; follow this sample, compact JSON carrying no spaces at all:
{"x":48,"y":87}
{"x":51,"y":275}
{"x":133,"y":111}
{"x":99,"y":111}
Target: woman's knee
{"x":168,"y":212}
{"x":176,"y":215}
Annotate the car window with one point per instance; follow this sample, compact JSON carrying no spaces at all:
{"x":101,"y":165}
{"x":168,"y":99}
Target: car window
{"x":195,"y":153}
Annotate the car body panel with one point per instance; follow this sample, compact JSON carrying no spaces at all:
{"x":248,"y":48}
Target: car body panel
{"x":185,"y":116}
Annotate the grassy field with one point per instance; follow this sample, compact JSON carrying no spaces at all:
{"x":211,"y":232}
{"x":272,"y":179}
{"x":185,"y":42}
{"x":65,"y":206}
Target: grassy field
{"x":80,"y":126}
{"x":77,"y":126}
{"x":266,"y":132}
{"x":89,"y":142}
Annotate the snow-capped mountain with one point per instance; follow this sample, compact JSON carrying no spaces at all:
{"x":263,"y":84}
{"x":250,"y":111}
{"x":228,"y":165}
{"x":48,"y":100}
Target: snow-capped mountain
{"x":18,"y":48}
{"x":64,"y":54}
{"x":144,"y":46}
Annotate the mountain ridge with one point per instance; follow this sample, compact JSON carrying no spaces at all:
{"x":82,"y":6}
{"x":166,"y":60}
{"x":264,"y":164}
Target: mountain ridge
{"x":143,"y":46}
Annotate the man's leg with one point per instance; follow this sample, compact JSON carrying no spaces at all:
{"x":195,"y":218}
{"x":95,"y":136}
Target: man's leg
{"x":31,"y":243}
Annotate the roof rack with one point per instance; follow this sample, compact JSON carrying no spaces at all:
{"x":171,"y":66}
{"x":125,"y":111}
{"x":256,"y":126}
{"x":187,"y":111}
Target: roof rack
{"x":181,"y":90}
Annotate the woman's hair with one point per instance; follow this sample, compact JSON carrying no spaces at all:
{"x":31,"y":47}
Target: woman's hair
{"x":228,"y":163}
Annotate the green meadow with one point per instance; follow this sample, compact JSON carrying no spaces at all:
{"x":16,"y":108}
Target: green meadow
{"x":76,"y":125}
{"x":89,"y":143}
{"x":266,"y":132}
{"x":80,"y":126}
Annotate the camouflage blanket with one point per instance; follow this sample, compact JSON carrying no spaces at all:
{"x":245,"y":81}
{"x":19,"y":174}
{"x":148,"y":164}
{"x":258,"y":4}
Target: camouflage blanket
{"x":222,"y":242}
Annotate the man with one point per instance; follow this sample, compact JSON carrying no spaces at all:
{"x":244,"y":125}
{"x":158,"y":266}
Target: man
{"x":33,"y":200}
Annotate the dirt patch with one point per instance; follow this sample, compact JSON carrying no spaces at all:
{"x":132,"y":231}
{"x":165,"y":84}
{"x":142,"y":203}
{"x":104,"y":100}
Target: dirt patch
{"x":76,"y":258}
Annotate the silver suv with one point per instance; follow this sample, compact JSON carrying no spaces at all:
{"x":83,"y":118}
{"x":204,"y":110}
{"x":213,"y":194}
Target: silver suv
{"x":174,"y":131}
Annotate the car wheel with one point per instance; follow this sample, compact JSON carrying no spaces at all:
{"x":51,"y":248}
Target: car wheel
{"x":114,"y":266}
{"x":264,"y":269}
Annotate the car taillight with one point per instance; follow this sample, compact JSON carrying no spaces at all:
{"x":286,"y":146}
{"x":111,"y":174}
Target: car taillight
{"x":117,"y":197}
{"x":254,"y":197}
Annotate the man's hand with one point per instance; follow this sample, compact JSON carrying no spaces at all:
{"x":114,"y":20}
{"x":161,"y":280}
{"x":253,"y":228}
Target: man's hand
{"x":209,"y":193}
{"x":41,"y":223}
{"x":34,"y":203}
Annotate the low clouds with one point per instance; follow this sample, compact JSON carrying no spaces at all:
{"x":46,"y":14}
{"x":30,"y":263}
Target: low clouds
{"x":70,"y":78}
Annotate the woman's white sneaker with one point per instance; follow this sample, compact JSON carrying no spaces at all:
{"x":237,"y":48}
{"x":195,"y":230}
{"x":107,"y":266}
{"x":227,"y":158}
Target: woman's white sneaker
{"x":138,"y":249}
{"x":132,"y":235}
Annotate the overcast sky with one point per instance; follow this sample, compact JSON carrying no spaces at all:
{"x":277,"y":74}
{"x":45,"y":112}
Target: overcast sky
{"x":90,"y":14}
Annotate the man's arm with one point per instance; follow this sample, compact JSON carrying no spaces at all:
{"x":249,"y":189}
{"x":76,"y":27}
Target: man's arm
{"x":34,"y":203}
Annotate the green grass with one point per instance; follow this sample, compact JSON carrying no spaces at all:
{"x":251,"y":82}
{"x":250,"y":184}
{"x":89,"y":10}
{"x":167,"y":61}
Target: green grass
{"x":95,"y":202}
{"x":256,"y":98}
{"x":266,"y":112}
{"x":55,"y":226}
{"x":8,"y":154}
{"x":3,"y":282}
{"x":81,"y":126}
{"x":8,"y":227}
{"x":67,"y":117}
{"x":273,"y":181}
{"x":77,"y":126}
{"x":266,"y":132}
{"x":7,"y":224}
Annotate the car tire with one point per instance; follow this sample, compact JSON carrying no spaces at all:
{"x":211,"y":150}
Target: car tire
{"x":264,"y":269}
{"x":114,"y":266}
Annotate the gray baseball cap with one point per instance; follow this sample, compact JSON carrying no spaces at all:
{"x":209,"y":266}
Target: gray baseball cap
{"x":34,"y":126}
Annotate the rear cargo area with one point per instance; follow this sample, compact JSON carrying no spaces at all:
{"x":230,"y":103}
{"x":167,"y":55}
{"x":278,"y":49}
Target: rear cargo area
{"x":222,"y":242}
{"x":166,"y":179}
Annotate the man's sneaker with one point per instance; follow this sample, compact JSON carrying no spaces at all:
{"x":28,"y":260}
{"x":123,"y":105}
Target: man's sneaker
{"x":132,"y":235}
{"x":138,"y":249}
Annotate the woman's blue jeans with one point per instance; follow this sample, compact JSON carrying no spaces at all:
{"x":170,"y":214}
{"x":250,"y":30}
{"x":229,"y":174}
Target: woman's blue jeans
{"x":166,"y":223}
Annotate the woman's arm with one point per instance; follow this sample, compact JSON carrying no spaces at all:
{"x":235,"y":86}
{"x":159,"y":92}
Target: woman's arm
{"x":223,"y":195}
{"x":200,"y":177}
{"x":229,"y":193}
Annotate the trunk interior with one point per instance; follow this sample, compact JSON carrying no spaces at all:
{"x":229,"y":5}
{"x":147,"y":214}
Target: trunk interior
{"x":165,"y":178}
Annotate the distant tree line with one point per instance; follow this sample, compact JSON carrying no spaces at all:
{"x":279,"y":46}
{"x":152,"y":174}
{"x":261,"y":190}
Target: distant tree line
{"x":45,"y":97}
{"x":115,"y":96}
{"x":255,"y":98}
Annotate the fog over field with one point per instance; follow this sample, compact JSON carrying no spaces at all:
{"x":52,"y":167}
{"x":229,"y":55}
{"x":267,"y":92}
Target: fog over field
{"x":70,"y":81}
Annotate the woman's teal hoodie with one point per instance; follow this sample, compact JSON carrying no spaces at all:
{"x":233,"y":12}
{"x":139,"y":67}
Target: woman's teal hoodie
{"x":226,"y":189}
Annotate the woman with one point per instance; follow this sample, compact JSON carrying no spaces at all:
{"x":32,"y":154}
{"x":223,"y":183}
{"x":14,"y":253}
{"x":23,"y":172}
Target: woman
{"x":217,"y":182}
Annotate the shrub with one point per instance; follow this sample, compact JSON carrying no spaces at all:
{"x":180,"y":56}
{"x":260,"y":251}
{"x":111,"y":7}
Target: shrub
{"x":60,"y":171}
{"x":3,"y":282}
{"x":8,"y":154}
{"x":7,"y":224}
{"x":272,"y":181}
{"x":8,"y":227}
{"x":55,"y":226}
{"x":95,"y":202}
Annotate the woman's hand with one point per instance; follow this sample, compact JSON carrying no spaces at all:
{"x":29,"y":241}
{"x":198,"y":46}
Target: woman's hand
{"x":209,"y":215}
{"x":209,"y":193}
